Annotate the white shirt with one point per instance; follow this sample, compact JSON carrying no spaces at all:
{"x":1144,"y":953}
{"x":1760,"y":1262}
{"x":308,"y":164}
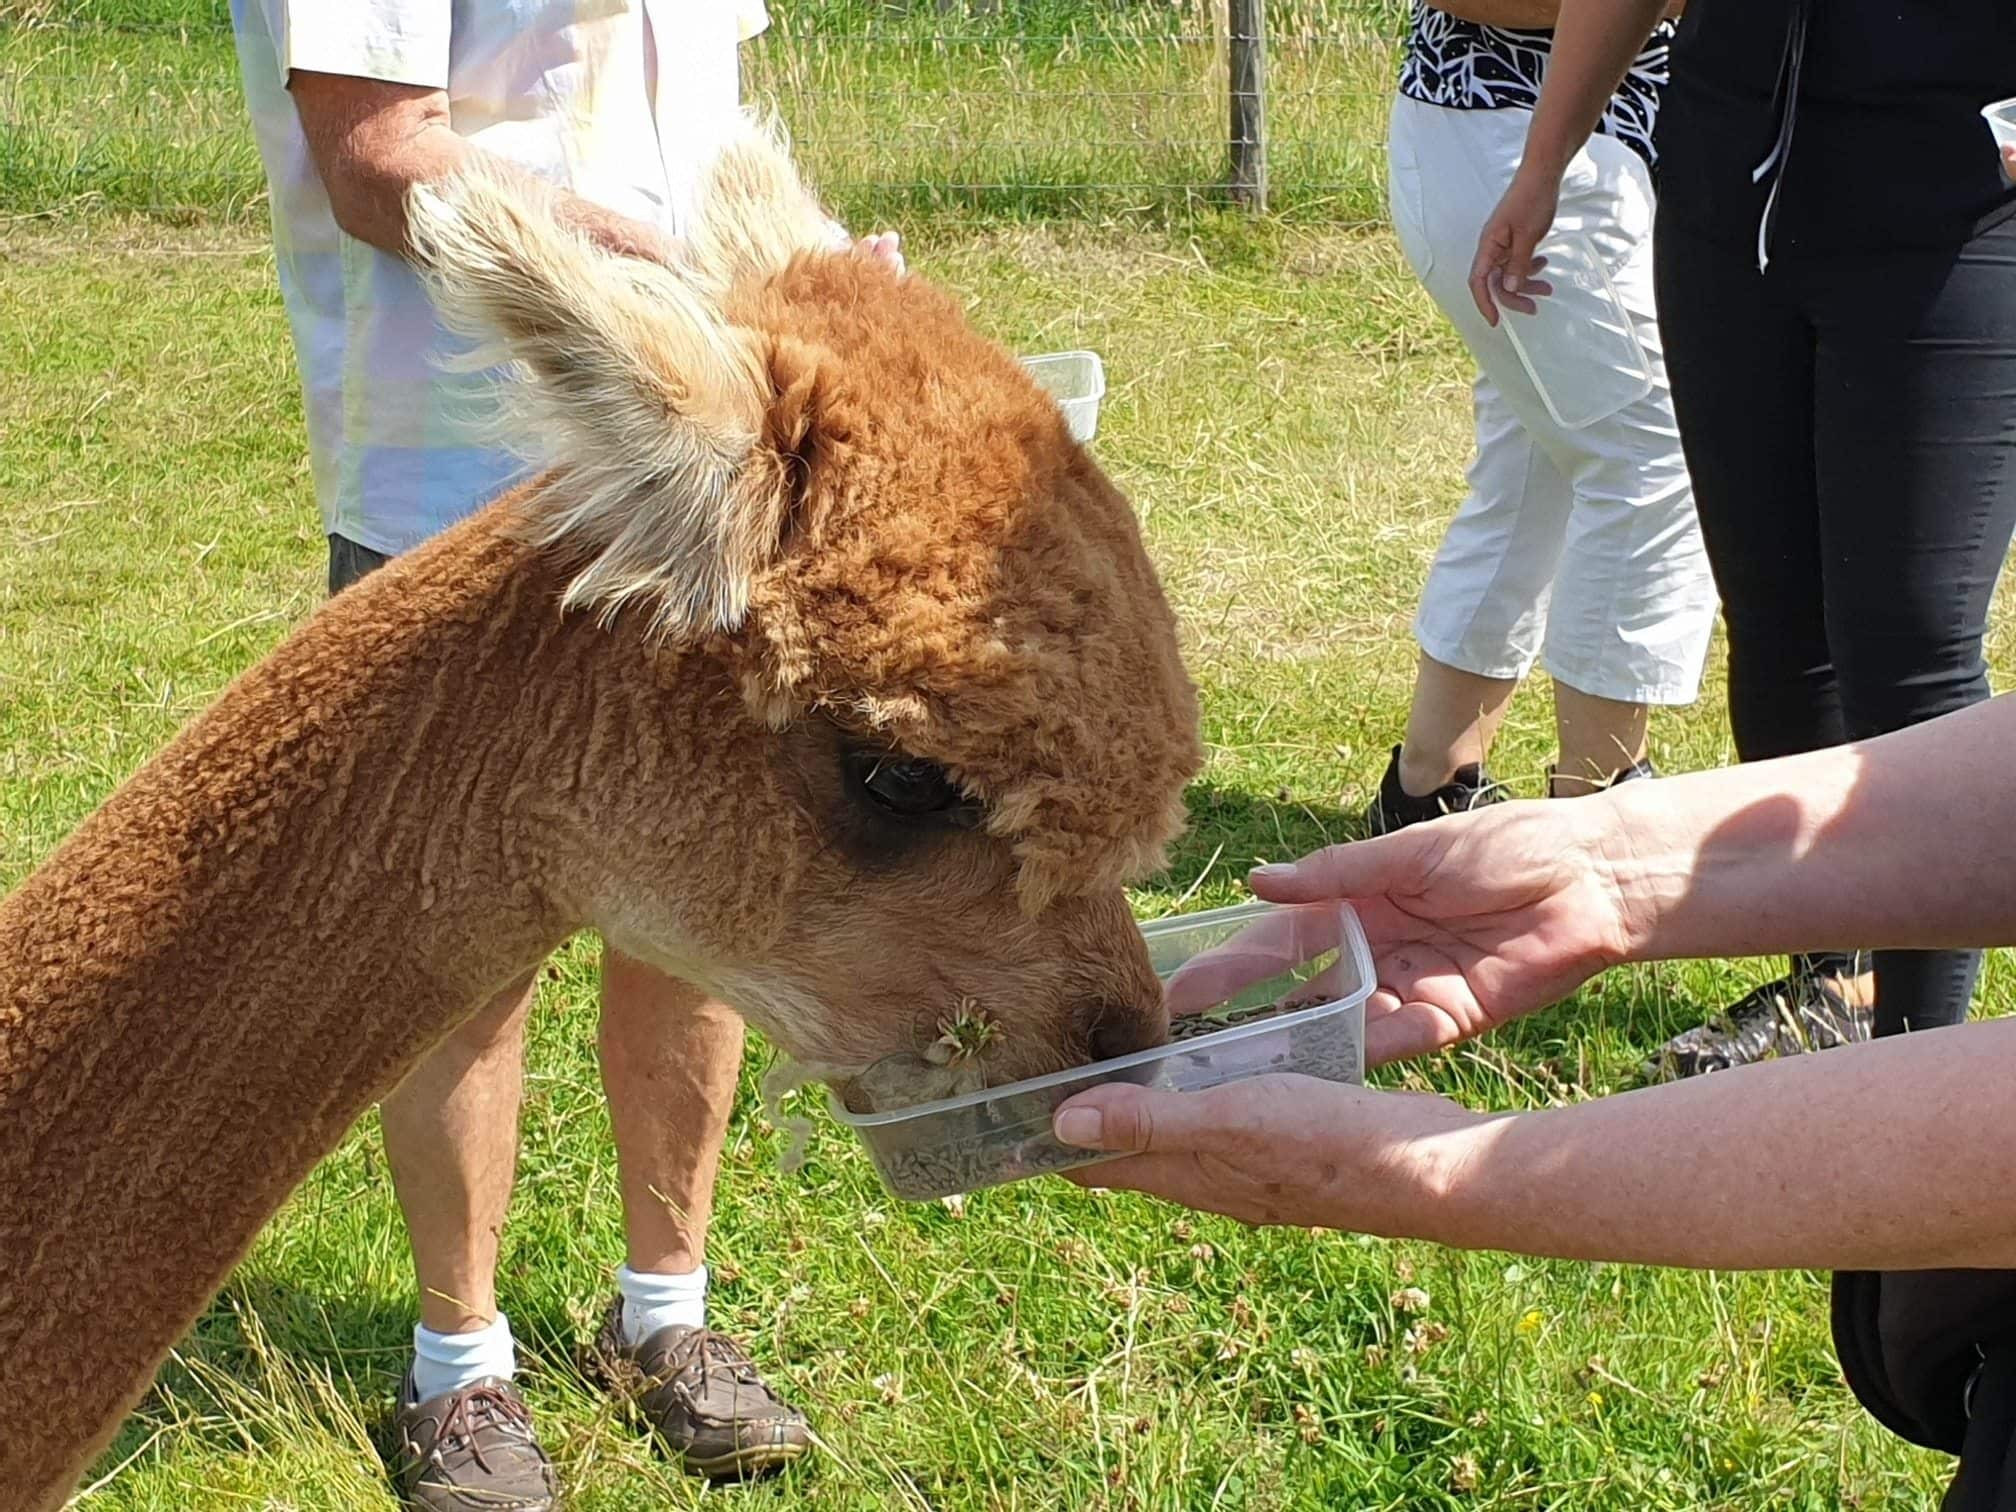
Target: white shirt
{"x":615,"y":100}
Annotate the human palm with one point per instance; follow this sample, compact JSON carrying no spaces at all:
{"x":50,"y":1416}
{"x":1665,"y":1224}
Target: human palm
{"x":1473,"y":919}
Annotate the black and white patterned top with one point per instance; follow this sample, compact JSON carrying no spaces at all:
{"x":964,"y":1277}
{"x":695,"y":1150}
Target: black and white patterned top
{"x":1465,"y":65}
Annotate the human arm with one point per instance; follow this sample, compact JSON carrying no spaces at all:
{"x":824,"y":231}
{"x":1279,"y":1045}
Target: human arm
{"x":1594,"y":43}
{"x":372,"y":141}
{"x":1917,"y":1151}
{"x":1480,"y":917}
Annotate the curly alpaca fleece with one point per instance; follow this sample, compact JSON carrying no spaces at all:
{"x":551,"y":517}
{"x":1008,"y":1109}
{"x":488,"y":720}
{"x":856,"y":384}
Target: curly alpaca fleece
{"x":795,"y":509}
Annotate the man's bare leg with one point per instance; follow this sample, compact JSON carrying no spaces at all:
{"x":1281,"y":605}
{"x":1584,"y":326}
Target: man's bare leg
{"x":670,"y":1059}
{"x":451,"y":1138}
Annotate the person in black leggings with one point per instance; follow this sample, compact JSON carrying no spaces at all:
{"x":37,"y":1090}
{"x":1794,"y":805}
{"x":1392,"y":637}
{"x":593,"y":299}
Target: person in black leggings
{"x":1835,"y":265}
{"x":1848,"y":424}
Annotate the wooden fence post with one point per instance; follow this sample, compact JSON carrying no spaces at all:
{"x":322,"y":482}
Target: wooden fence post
{"x":1247,"y":51}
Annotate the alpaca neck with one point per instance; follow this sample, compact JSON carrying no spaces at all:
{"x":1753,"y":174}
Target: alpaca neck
{"x":244,"y":948}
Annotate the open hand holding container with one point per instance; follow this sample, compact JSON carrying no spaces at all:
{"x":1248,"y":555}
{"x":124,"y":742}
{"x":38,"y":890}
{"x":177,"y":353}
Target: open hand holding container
{"x":1251,"y":989}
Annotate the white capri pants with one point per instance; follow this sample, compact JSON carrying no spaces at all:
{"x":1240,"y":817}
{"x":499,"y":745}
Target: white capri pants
{"x":1576,"y":548}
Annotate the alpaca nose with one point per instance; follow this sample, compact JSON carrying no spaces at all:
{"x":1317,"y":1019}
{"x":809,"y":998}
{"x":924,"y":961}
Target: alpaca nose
{"x":1121,"y":1029}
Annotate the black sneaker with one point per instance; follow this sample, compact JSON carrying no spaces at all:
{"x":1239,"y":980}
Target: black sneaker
{"x":1395,"y":808}
{"x":1797,"y":1013}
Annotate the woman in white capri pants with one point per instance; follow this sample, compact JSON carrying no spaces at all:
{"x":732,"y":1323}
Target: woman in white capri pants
{"x":1577,"y":547}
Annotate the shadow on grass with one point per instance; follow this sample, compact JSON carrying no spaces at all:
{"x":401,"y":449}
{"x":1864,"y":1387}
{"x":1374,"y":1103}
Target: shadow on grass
{"x":1232,"y":829}
{"x":253,"y":1366}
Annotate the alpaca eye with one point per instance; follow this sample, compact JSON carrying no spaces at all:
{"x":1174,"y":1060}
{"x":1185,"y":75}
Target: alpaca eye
{"x":909,"y":787}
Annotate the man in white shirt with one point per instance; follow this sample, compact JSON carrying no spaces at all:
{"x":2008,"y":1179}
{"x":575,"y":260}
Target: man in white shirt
{"x":616,"y":103}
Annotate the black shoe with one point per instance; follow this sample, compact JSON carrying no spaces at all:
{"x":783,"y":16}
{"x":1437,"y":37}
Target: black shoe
{"x":1395,"y":808}
{"x":1797,"y":1013}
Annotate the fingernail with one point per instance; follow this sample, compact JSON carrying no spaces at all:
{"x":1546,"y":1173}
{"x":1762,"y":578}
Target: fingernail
{"x":1273,"y":871}
{"x":1513,"y":283}
{"x":1081,"y":1127}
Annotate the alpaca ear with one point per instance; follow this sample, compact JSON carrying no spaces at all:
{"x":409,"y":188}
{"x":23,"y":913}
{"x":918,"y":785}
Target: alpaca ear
{"x":642,"y":403}
{"x":752,"y":213}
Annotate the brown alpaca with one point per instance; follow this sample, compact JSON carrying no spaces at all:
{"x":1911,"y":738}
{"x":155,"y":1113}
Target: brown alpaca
{"x":820,"y":668}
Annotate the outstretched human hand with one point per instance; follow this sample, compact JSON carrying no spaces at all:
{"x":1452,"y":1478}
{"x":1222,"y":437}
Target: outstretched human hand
{"x":1474,"y":919}
{"x":1276,"y":1149}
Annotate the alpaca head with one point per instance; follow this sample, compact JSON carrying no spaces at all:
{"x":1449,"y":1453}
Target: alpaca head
{"x":945,"y":718}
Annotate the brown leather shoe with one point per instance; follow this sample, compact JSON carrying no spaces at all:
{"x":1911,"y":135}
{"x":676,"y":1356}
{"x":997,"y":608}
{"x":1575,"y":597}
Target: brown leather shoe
{"x":471,"y":1451}
{"x":702,"y":1395}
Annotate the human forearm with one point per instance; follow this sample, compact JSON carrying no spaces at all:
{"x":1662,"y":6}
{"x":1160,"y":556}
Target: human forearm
{"x":1892,"y":842}
{"x":372,"y":142}
{"x":1917,"y":1158}
{"x":1594,"y":43}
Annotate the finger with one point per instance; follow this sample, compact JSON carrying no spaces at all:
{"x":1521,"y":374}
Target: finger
{"x":1172,"y":1178}
{"x":1133,"y":1121}
{"x":1357,"y":869}
{"x":1411,"y":1029}
{"x":888,"y":247}
{"x":1270,"y":946}
{"x":1157,"y":1175}
{"x":1484,"y":271}
{"x":1520,"y":264}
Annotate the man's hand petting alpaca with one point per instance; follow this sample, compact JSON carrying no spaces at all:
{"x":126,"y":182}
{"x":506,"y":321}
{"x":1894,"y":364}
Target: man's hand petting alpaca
{"x":884,"y":246}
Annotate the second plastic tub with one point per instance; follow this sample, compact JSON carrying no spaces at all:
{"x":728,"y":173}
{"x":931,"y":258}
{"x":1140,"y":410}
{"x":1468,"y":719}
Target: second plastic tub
{"x":1077,"y":381}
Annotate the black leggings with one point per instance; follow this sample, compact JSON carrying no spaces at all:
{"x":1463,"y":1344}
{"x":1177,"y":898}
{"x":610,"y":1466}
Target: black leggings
{"x":1850,"y":425}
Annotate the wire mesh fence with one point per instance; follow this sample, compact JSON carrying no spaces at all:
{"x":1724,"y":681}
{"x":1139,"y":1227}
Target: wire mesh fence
{"x":1021,"y":108}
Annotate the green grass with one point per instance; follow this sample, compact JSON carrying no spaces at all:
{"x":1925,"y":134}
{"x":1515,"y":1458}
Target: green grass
{"x":1292,"y":421}
{"x":1112,"y":108}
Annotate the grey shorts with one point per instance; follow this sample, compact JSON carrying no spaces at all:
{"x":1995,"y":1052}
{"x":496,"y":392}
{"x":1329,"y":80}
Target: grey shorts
{"x":348,"y":562}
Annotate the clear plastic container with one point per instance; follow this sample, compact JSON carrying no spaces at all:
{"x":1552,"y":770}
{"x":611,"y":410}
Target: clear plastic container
{"x":1077,"y":381}
{"x":2001,"y":119}
{"x":1215,"y":966}
{"x":1579,"y":346}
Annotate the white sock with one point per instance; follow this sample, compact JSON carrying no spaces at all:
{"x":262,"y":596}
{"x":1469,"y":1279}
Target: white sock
{"x":653,"y":1300}
{"x":450,"y":1361}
